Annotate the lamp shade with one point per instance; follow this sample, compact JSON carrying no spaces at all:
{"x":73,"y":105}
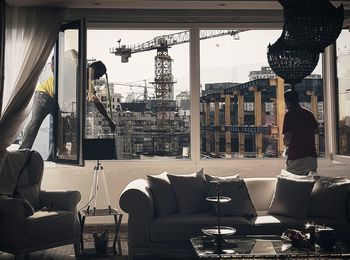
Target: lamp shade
{"x":292,"y":63}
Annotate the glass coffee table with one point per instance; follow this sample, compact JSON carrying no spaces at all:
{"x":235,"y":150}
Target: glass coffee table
{"x":263,"y":247}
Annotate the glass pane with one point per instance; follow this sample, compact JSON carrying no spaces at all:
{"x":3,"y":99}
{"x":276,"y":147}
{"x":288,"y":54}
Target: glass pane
{"x":240,"y":115}
{"x":343,"y":71}
{"x":67,"y":94}
{"x":148,"y":96}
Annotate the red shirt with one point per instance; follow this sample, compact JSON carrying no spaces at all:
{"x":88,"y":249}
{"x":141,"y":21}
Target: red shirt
{"x":302,"y":124}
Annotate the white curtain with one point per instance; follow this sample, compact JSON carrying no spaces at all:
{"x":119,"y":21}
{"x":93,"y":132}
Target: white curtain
{"x":2,"y":48}
{"x":29,"y":38}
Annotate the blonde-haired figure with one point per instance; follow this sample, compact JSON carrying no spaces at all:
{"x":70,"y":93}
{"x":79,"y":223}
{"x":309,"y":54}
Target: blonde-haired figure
{"x":43,"y":105}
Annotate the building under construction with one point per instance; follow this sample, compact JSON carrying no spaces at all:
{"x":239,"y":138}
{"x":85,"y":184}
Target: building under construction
{"x":238,"y":120}
{"x":245,"y":120}
{"x":137,"y":135}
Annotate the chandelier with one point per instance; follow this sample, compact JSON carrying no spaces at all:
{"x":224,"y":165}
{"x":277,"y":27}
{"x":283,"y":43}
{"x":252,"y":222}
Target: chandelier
{"x":292,"y":63}
{"x":312,"y":23}
{"x":309,"y":27}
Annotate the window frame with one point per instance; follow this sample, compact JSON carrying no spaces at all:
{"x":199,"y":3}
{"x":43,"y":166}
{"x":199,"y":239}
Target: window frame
{"x":329,"y":74}
{"x":334,"y":108}
{"x":81,"y":26}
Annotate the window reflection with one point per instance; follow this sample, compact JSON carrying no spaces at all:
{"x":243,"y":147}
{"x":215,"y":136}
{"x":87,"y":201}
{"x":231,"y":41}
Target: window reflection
{"x":67,"y":95}
{"x":148,"y":95}
{"x":343,"y":73}
{"x":242,"y":103}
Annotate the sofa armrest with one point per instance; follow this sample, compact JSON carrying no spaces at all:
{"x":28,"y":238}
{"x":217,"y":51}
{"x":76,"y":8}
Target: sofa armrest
{"x":11,"y":219}
{"x":11,"y":209}
{"x":60,"y":200}
{"x":348,"y":207}
{"x":136,"y":200}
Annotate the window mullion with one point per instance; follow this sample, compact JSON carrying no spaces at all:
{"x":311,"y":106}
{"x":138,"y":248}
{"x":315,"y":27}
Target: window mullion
{"x":329,"y":101}
{"x":195,"y":94}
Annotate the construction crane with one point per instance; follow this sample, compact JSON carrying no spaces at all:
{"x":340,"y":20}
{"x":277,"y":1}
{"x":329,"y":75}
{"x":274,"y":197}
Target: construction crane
{"x":166,"y":41}
{"x":164,"y":80}
{"x":132,"y":85}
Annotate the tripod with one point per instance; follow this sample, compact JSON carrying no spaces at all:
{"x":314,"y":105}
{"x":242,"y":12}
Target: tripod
{"x":98,"y":170}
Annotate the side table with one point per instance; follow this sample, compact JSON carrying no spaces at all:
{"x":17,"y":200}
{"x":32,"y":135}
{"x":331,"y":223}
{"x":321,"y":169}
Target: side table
{"x":83,"y":214}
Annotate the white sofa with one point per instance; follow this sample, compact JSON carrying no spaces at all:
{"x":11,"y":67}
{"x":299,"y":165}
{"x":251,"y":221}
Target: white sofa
{"x":170,"y":234}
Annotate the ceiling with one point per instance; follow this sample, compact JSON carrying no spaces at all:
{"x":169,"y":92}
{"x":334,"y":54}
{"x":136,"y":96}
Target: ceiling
{"x":160,"y":4}
{"x":173,"y":11}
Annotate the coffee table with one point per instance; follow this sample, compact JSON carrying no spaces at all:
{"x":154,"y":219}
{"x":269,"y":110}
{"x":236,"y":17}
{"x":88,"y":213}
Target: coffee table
{"x":263,"y":247}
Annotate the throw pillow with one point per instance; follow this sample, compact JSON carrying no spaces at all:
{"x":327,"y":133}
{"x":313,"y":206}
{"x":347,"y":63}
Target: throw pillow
{"x":190,"y":191}
{"x":163,"y":194}
{"x":289,"y":175}
{"x":235,"y":188}
{"x":332,"y":179}
{"x":329,"y":198}
{"x":30,"y":193}
{"x":291,"y":198}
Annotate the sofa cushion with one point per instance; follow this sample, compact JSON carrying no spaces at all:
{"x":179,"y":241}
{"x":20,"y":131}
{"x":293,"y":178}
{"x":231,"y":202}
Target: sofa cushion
{"x":274,"y":224}
{"x":291,"y":198}
{"x":180,"y":227}
{"x":190,"y":191}
{"x":329,"y":198}
{"x":235,"y":188}
{"x":57,"y":222}
{"x":163,"y":194}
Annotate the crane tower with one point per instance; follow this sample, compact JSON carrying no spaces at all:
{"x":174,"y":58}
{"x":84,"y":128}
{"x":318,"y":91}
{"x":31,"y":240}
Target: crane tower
{"x":164,"y":79}
{"x":164,"y":85}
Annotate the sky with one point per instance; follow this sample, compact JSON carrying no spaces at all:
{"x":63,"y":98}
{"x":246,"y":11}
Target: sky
{"x":343,"y":44}
{"x":222,"y":59}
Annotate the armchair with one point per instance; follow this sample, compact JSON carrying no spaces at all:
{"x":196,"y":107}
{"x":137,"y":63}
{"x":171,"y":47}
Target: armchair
{"x":34,"y":219}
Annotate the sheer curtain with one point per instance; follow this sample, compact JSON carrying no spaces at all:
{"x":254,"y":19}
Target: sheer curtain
{"x":30,"y":34}
{"x":2,"y":48}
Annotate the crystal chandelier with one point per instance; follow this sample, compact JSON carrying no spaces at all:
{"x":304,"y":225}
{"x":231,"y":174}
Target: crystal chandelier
{"x":309,"y":27}
{"x":312,"y":23}
{"x":292,"y":63}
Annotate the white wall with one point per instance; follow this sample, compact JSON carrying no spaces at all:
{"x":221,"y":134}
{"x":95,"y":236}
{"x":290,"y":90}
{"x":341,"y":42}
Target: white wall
{"x":119,"y":174}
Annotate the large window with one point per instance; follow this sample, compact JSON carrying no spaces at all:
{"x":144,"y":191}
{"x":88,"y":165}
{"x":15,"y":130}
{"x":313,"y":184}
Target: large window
{"x":147,"y":95}
{"x":146,"y":92}
{"x":240,"y":96}
{"x":343,"y":73}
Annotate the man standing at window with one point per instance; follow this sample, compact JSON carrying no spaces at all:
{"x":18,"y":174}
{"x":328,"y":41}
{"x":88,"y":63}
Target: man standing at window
{"x":299,"y":129}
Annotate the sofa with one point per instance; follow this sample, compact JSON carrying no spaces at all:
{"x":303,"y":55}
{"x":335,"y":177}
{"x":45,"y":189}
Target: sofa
{"x":170,"y":234}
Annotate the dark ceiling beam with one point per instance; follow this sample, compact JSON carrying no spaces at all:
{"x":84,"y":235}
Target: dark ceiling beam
{"x":175,"y":16}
